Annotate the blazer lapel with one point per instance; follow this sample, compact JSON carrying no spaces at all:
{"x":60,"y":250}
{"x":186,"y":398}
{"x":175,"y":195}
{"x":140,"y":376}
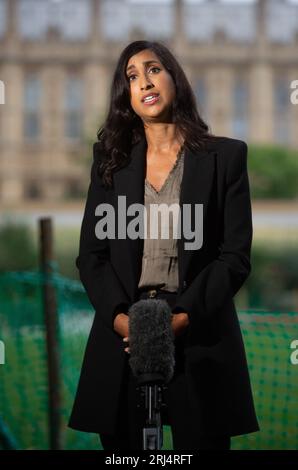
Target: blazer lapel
{"x":195,"y":189}
{"x":129,"y":181}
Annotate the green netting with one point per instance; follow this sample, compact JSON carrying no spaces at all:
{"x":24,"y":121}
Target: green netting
{"x":23,"y":377}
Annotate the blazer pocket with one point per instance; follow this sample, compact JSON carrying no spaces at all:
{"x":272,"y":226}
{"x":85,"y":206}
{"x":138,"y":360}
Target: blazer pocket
{"x":221,"y":352}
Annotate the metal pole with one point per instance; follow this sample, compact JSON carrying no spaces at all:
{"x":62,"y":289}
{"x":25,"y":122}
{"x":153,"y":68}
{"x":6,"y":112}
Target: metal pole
{"x":51,"y":325}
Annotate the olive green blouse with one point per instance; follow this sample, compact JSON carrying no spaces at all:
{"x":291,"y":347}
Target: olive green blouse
{"x":160,"y":256}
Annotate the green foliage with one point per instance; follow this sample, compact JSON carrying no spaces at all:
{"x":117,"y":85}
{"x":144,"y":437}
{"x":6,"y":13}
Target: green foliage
{"x":274,"y":277}
{"x":273,"y":172}
{"x":17,"y":251}
{"x":272,"y":283}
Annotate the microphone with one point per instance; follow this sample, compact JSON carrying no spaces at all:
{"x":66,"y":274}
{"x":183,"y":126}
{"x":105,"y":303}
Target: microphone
{"x":152,"y":360}
{"x":151,"y":341}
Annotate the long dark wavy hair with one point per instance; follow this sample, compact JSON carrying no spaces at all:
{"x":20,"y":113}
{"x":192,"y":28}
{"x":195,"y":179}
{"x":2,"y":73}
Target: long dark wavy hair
{"x":123,"y":127}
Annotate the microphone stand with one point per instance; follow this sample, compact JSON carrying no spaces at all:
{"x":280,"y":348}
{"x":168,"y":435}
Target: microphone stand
{"x":151,"y":387}
{"x":150,"y":384}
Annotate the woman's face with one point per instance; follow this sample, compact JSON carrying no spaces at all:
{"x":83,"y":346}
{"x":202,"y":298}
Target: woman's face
{"x":146,"y":76}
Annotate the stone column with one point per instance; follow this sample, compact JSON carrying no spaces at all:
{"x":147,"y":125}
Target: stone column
{"x":261,"y":103}
{"x":179,"y":39}
{"x":96,"y":95}
{"x":12,"y":133}
{"x":53,"y":86}
{"x":219,"y":81}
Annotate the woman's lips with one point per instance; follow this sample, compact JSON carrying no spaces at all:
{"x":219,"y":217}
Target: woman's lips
{"x":148,"y":103}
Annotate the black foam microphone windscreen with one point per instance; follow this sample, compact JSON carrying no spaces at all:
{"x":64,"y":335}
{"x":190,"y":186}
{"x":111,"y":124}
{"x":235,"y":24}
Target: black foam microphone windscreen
{"x":151,"y":339}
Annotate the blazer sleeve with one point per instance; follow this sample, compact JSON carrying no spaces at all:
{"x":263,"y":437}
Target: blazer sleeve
{"x":222,"y":278}
{"x":96,"y":271}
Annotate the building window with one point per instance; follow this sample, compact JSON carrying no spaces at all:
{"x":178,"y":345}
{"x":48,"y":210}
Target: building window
{"x":32,"y":105}
{"x":281,"y":21}
{"x":32,"y":190}
{"x":74,"y":190}
{"x":73,"y":108}
{"x":119,"y":19}
{"x":3,"y":17}
{"x":68,"y":19}
{"x":73,"y":19}
{"x":32,"y":19}
{"x":282,"y":93}
{"x":240,"y":108}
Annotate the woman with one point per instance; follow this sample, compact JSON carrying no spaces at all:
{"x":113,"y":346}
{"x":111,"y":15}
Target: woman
{"x":152,"y":151}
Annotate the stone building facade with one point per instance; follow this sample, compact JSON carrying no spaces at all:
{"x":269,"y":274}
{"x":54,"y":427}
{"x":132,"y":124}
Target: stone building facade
{"x":57,"y":59}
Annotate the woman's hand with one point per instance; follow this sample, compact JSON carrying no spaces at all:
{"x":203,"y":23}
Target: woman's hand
{"x":127,"y":341}
{"x":121,"y":324}
{"x":179,"y":322}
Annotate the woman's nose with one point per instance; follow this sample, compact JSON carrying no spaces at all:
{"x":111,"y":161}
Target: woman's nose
{"x":145,"y":83}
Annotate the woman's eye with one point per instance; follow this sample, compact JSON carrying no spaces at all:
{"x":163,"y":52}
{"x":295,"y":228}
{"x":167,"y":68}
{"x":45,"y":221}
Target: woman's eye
{"x":153,"y":68}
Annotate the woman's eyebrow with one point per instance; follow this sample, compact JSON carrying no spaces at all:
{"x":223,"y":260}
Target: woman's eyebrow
{"x":146,"y":62}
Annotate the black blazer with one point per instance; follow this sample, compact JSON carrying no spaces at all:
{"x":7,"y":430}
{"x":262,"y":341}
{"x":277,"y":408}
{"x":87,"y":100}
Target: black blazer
{"x":215,"y":361}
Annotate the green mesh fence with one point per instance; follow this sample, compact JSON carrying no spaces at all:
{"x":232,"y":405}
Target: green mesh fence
{"x":23,"y":376}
